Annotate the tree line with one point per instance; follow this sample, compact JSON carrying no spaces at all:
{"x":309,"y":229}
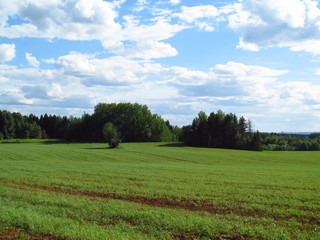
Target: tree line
{"x":135,"y":123}
{"x":220,"y":130}
{"x":290,"y":142}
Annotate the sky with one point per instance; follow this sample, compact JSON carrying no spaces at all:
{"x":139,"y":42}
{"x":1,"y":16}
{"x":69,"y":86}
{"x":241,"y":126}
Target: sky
{"x":258,"y":59}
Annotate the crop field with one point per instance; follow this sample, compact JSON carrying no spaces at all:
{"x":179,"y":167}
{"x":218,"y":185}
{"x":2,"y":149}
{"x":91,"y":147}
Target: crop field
{"x":156,"y":191}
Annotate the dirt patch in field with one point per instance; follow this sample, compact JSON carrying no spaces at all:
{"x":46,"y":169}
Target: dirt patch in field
{"x":8,"y":234}
{"x":194,"y":235}
{"x":14,"y":235}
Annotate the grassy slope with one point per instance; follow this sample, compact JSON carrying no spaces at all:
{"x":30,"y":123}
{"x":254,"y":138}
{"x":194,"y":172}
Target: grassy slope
{"x":149,"y":191}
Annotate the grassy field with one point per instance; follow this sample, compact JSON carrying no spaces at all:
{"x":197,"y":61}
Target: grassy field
{"x":154,"y":191}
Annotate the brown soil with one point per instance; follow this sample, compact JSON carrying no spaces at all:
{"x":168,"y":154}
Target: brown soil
{"x":15,"y":235}
{"x":194,"y":235}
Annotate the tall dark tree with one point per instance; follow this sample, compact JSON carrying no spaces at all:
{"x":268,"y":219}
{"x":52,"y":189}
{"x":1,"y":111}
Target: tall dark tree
{"x":220,"y":130}
{"x":7,"y":125}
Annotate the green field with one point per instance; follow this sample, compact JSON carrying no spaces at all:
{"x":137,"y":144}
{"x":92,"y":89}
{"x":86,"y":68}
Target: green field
{"x":154,"y":191}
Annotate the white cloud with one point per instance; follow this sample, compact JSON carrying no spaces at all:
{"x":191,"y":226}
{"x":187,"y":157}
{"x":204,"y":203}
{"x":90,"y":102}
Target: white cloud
{"x":7,"y":52}
{"x":202,"y":16}
{"x":13,"y":97}
{"x":162,"y":29}
{"x":99,"y":20}
{"x":191,"y":14}
{"x":151,"y":49}
{"x":32,"y":60}
{"x":91,"y":20}
{"x":204,"y":26}
{"x":311,"y":46}
{"x":71,"y":20}
{"x":318,"y":72}
{"x":239,"y":17}
{"x":247,"y":72}
{"x":252,"y":47}
{"x":174,"y":2}
{"x":232,"y":79}
{"x":289,"y":12}
{"x":75,"y":63}
{"x":55,"y":91}
{"x":8,"y":8}
{"x":146,"y":40}
{"x":140,"y":5}
{"x":114,"y":71}
{"x":289,"y":23}
{"x":181,"y":76}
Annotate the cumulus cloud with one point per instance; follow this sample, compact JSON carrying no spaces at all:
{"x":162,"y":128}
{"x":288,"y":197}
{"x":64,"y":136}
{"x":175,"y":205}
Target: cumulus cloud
{"x":150,"y":49}
{"x":146,"y":40}
{"x":71,"y":20}
{"x":191,"y":14}
{"x":174,"y":2}
{"x":34,"y":92}
{"x":140,"y":5}
{"x":301,"y":92}
{"x":294,"y":24}
{"x":94,"y":71}
{"x":55,"y":91}
{"x":32,"y":60}
{"x":89,"y":20}
{"x":232,"y":79}
{"x":247,"y":46}
{"x":7,"y":52}
{"x":8,"y":8}
{"x":99,"y":20}
{"x":199,"y":16}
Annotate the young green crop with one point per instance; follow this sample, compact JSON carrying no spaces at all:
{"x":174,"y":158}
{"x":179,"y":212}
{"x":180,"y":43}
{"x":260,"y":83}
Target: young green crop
{"x":157,"y":191}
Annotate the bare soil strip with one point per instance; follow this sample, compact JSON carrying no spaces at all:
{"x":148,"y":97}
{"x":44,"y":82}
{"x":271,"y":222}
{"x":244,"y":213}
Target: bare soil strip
{"x":194,"y":235}
{"x":14,"y":234}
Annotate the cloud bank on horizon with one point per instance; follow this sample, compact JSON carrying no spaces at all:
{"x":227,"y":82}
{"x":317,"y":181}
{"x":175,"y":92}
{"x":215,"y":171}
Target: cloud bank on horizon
{"x":257,"y":59}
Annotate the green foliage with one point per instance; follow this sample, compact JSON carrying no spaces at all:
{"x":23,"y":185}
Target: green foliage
{"x":152,"y":191}
{"x":14,"y":125}
{"x":289,"y":142}
{"x":221,"y":130}
{"x":135,"y":122}
{"x":111,"y":135}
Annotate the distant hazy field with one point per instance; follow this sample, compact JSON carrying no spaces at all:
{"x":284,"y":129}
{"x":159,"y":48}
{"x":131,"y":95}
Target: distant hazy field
{"x":154,"y":191}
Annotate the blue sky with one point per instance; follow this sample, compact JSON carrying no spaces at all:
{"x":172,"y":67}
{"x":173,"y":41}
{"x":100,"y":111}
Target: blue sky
{"x":259,"y":59}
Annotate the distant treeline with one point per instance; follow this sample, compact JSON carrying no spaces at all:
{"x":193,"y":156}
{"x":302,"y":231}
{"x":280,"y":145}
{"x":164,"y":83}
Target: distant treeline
{"x":289,"y":142}
{"x":220,"y":130}
{"x":135,"y":123}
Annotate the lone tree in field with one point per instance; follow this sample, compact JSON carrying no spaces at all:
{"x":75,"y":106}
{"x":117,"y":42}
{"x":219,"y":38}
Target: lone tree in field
{"x":111,"y":135}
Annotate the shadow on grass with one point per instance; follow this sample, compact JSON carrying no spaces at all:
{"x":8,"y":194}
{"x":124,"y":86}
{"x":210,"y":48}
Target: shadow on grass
{"x":41,"y":141}
{"x":98,"y":148}
{"x":172,"y":145}
{"x":55,"y":141}
{"x":103,"y":148}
